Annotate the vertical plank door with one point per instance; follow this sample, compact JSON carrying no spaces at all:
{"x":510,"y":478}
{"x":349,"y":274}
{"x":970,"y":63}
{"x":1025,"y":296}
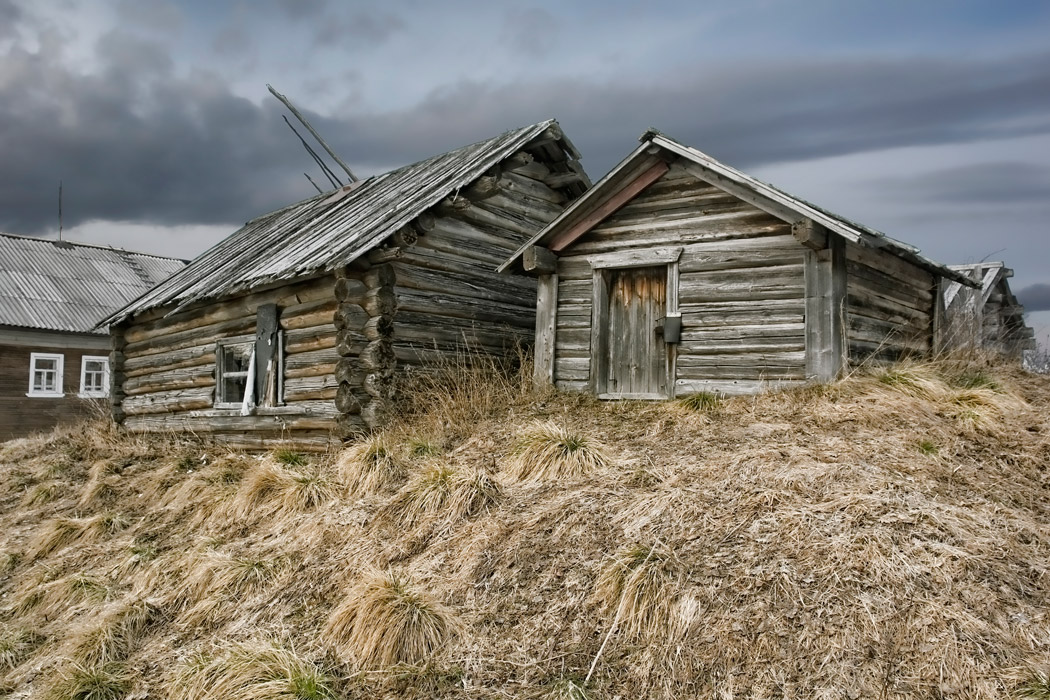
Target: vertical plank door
{"x":636,"y":360}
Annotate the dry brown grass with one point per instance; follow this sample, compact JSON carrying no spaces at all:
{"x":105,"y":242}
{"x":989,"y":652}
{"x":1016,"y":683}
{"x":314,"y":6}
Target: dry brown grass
{"x":441,"y":491}
{"x":251,"y":671}
{"x":641,"y":587}
{"x":385,"y":620}
{"x":885,"y":536}
{"x":547,"y":451}
{"x":270,"y":488}
{"x":371,"y":465}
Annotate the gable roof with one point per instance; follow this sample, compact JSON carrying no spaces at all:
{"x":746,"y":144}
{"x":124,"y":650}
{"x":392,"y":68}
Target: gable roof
{"x":333,"y":229}
{"x":645,"y":163}
{"x":62,"y":286}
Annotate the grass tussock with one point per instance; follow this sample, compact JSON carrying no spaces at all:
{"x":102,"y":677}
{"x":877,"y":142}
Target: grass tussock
{"x":641,"y":587}
{"x":77,"y":682}
{"x":252,"y":671}
{"x":568,"y":689}
{"x":442,"y":491}
{"x":271,"y":485}
{"x":385,"y":621}
{"x":701,"y":402}
{"x":371,"y":465}
{"x":15,"y":644}
{"x":114,"y":636}
{"x":546,"y":451}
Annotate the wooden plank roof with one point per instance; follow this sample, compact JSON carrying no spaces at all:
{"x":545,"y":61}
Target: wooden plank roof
{"x":333,"y":229}
{"x":63,"y":286}
{"x":656,"y":147}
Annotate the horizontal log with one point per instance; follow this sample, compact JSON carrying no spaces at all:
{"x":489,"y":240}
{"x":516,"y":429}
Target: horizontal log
{"x":349,"y":290}
{"x":159,"y":362}
{"x":377,"y":355}
{"x":349,"y":343}
{"x":484,"y":187}
{"x":380,"y":301}
{"x":228,"y":309}
{"x":314,"y":370}
{"x":470,"y":308}
{"x":310,"y":388}
{"x":538,"y":212}
{"x":517,"y":184}
{"x":349,"y":399}
{"x":733,"y":387}
{"x":767,"y":358}
{"x":378,"y":327}
{"x":349,"y":317}
{"x":723,"y":228}
{"x":182,"y":378}
{"x":507,"y":289}
{"x":191,"y":337}
{"x":225,"y":422}
{"x":169,"y":401}
{"x":308,"y":339}
{"x":348,"y":370}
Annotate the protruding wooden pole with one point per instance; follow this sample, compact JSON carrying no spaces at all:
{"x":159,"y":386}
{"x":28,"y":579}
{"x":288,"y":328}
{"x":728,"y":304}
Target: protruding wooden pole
{"x":291,"y":108}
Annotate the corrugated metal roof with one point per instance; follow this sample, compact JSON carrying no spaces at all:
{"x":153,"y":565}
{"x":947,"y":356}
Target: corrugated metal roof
{"x":62,"y":286}
{"x":331,"y":229}
{"x":846,"y":228}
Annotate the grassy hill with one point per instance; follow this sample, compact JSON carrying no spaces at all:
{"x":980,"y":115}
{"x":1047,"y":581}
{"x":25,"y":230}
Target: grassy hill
{"x":888,"y":536}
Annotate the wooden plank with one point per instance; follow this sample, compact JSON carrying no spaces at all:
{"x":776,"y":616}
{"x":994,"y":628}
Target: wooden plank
{"x":546,"y":318}
{"x":635,"y":257}
{"x":617,"y":200}
{"x":825,"y":292}
{"x":599,"y":329}
{"x":733,"y":387}
{"x":702,"y":230}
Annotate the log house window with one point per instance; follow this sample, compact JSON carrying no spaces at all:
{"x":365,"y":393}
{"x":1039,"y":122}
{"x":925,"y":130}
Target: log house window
{"x":232,"y":360}
{"x":45,"y":374}
{"x":94,"y":376}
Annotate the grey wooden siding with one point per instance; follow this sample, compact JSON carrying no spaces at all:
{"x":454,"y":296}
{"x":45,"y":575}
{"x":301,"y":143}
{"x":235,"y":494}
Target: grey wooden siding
{"x":890,"y":306}
{"x":741,"y":288}
{"x":164,"y":368}
{"x":449,"y":297}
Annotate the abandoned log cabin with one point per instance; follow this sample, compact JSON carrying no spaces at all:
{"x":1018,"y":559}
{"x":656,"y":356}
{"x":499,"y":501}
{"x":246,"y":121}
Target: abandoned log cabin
{"x":53,"y":361}
{"x":988,"y":317}
{"x":295,"y":326}
{"x":676,"y":274}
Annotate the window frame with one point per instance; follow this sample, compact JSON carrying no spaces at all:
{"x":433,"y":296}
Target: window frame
{"x":221,"y":374}
{"x":94,"y":394}
{"x":59,"y":370}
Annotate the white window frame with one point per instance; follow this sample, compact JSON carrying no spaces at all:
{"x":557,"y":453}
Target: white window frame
{"x":60,"y":368}
{"x":94,"y":394}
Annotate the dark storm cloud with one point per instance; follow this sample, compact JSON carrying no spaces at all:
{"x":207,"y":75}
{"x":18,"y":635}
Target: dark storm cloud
{"x":1035,"y":297}
{"x":747,"y":116}
{"x":334,"y":23}
{"x":989,"y":183}
{"x":10,"y":15}
{"x":137,"y":143}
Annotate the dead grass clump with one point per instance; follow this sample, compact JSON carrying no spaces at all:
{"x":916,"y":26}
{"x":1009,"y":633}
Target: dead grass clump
{"x":252,"y":671}
{"x":76,"y":682}
{"x":384,"y":621}
{"x":41,"y":494}
{"x":114,"y":636}
{"x":702,"y":402}
{"x":284,"y":489}
{"x":547,"y":451}
{"x":440,"y":490}
{"x":55,"y":534}
{"x":15,"y":645}
{"x":97,"y":486}
{"x":641,"y":586}
{"x":370,"y":465}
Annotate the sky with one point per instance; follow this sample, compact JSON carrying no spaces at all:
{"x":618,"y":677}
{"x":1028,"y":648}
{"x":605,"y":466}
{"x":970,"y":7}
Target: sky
{"x":926,"y":119}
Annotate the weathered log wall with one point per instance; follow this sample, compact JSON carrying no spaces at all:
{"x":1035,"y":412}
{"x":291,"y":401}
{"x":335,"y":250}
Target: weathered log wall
{"x":163,"y":368}
{"x":449,"y":298}
{"x":890,"y":305}
{"x":741,"y":288}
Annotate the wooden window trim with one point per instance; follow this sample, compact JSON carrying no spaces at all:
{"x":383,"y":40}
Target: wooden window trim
{"x":94,"y":394}
{"x":59,"y":370}
{"x":221,"y":374}
{"x":644,"y":257}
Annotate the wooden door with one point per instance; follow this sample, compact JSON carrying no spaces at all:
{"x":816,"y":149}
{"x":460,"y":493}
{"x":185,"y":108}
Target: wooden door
{"x":635,"y":363}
